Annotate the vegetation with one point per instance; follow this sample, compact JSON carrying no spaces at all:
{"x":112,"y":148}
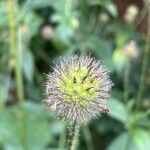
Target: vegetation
{"x":35,"y":32}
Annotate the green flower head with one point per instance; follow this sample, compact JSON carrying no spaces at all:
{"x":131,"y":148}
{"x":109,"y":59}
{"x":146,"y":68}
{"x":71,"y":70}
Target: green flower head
{"x":78,"y":88}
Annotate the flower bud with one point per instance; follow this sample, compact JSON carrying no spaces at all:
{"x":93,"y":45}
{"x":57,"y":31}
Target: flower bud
{"x":47,"y":32}
{"x":104,"y":17}
{"x":131,"y":50}
{"x":131,"y":13}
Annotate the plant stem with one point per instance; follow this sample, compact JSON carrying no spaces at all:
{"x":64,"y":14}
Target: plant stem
{"x":68,"y":7}
{"x":15,"y":57}
{"x":72,"y":136}
{"x":126,"y":81}
{"x":144,"y":66}
{"x":62,"y":139}
{"x":88,"y":138}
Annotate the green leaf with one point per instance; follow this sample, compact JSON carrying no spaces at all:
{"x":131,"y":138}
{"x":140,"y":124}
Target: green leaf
{"x":34,"y":4}
{"x":9,"y":130}
{"x":119,"y":143}
{"x":30,"y":29}
{"x":141,"y":138}
{"x":117,"y":110}
{"x":39,"y":129}
{"x":101,"y":48}
{"x":95,"y":2}
{"x":38,"y":132}
{"x":137,"y":139}
{"x":28,"y":65}
{"x":118,"y":60}
{"x":3,"y":15}
{"x":65,"y":29}
{"x":112,"y":9}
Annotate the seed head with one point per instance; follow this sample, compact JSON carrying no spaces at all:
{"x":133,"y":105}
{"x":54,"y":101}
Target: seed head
{"x":78,"y":88}
{"x":131,"y":50}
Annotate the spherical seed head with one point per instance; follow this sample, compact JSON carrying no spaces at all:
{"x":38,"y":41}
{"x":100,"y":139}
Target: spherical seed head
{"x":78,"y":89}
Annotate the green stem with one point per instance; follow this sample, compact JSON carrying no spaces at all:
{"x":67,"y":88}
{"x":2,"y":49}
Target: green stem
{"x":88,"y":138}
{"x":144,"y":66}
{"x":62,"y":139}
{"x":72,"y":136}
{"x":68,"y":7}
{"x":126,"y":81}
{"x":15,"y":57}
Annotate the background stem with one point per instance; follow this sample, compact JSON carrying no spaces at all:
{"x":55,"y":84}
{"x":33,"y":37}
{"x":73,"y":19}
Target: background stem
{"x":62,"y":138}
{"x":68,"y":7}
{"x":144,"y":66}
{"x":126,"y":81}
{"x":88,"y":138}
{"x":15,"y":48}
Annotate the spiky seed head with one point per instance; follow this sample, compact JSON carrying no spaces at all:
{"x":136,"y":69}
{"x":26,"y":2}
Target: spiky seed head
{"x":78,"y":89}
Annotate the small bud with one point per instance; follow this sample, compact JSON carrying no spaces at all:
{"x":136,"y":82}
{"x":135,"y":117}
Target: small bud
{"x":131,"y":50}
{"x":146,"y":103}
{"x":75,"y":23}
{"x":24,"y":29}
{"x":78,"y":89}
{"x":131,"y":13}
{"x":47,"y":32}
{"x":104,"y":18}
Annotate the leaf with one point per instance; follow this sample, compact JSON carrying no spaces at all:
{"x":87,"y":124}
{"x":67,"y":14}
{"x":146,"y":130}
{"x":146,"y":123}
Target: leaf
{"x":117,"y":110}
{"x":137,"y":139}
{"x":34,"y":4}
{"x":95,"y":2}
{"x":66,"y":27}
{"x":118,"y":60}
{"x":39,"y":129}
{"x":141,"y":139}
{"x":33,"y":92}
{"x":3,"y":15}
{"x":119,"y":143}
{"x":112,"y":9}
{"x":28,"y":65}
{"x":29,"y":29}
{"x":101,"y":48}
{"x":107,"y":4}
{"x":9,"y":130}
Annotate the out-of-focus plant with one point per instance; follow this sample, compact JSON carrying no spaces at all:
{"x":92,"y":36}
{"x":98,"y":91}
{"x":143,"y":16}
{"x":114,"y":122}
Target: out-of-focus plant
{"x":135,"y":121}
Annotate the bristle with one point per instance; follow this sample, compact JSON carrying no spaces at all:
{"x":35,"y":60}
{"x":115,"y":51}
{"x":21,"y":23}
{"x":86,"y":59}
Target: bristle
{"x":77,"y":89}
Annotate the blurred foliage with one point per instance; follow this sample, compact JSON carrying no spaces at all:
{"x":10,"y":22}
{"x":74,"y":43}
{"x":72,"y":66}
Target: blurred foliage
{"x":47,"y":29}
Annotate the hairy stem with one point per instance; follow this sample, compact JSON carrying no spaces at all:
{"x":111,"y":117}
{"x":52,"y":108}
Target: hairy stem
{"x":144,"y":66}
{"x":72,"y":136}
{"x":15,"y":47}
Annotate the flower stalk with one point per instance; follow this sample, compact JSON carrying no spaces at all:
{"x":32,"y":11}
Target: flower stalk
{"x":72,"y":137}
